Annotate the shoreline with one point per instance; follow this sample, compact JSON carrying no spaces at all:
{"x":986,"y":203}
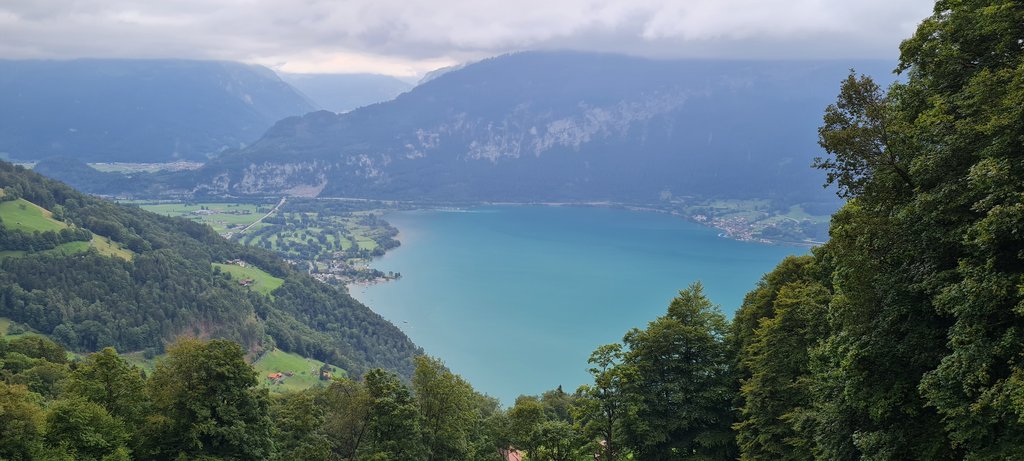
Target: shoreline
{"x":726,"y":232}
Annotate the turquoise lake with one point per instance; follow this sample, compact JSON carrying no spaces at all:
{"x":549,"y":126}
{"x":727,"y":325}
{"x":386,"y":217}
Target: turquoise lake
{"x":515,"y":298}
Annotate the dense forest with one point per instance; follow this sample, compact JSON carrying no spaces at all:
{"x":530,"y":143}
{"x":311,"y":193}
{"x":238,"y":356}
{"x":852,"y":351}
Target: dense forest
{"x":167,"y":287}
{"x":899,"y":339}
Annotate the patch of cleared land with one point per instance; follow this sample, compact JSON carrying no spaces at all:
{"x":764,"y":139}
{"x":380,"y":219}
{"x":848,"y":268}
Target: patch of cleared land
{"x":22,"y":215}
{"x":305,"y":373}
{"x":261,"y":282}
{"x":25,"y":216}
{"x":222,"y":217}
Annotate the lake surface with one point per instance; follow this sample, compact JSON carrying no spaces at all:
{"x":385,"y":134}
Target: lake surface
{"x":515,"y":298}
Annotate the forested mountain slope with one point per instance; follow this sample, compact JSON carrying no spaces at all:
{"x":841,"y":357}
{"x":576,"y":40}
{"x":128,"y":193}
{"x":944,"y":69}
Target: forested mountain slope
{"x":163,"y":284}
{"x":558,"y":126}
{"x":120,"y":110}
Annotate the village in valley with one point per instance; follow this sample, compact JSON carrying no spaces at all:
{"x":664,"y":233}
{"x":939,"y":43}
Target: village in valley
{"x":335,"y":241}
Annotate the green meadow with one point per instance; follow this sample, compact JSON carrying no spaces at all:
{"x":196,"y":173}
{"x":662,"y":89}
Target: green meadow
{"x":305,"y":372}
{"x":22,"y":215}
{"x":262,"y":282}
{"x":222,"y":217}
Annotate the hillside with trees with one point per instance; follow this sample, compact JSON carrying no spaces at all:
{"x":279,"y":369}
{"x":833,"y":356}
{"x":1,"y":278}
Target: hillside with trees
{"x":138,"y":110}
{"x":168,"y":284}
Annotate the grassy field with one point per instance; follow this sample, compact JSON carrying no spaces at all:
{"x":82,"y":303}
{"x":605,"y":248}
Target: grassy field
{"x":220,"y":216}
{"x":305,"y":372}
{"x":263,"y":282}
{"x":365,"y":243}
{"x":108,"y":248}
{"x":26,"y":216}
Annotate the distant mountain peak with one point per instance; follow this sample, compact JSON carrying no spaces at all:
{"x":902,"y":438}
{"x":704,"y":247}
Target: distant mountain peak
{"x":554,"y":125}
{"x":138,"y":110}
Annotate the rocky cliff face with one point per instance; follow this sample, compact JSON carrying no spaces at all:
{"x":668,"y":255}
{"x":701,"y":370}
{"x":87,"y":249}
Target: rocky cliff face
{"x":558,"y":126}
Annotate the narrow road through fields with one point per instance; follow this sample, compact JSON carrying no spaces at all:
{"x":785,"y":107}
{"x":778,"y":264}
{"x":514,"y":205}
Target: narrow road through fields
{"x":262,"y":217}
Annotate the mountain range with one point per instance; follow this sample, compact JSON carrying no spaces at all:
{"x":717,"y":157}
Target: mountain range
{"x":109,"y":110}
{"x":538,"y":126}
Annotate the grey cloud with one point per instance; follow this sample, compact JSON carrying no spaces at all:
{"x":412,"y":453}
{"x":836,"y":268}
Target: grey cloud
{"x":453,"y":30}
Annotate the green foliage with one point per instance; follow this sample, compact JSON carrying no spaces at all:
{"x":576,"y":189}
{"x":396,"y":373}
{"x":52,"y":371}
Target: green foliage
{"x":921,"y":355}
{"x":682,"y":387}
{"x":84,"y":430}
{"x":778,"y":395}
{"x":298,"y":427}
{"x":349,"y":405}
{"x":393,"y":431}
{"x":557,"y":441}
{"x":601,"y":408}
{"x":22,"y":417}
{"x":525,"y":418}
{"x":205,"y":403}
{"x":42,"y":378}
{"x":38,"y":347}
{"x":447,"y":409}
{"x":108,"y":380}
{"x":87,"y":301}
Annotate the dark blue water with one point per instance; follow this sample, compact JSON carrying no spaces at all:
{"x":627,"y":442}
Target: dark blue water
{"x":515,"y":298}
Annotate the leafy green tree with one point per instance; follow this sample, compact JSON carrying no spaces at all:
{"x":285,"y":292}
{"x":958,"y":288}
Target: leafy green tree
{"x":21,"y":419}
{"x":859,"y":132}
{"x":489,"y":434}
{"x":557,"y":404}
{"x":205,"y":403}
{"x":967,"y":64}
{"x":525,"y":417}
{"x":759,"y":303}
{"x":43,"y":378}
{"x":346,"y":405}
{"x":556,"y":441}
{"x":925,"y":361}
{"x":38,"y":347}
{"x":109,"y":380}
{"x":298,"y":426}
{"x":446,"y":407}
{"x":599,"y":409}
{"x":682,"y":387}
{"x":886,"y":332}
{"x":393,"y":432}
{"x":84,"y":430}
{"x":777,"y":416}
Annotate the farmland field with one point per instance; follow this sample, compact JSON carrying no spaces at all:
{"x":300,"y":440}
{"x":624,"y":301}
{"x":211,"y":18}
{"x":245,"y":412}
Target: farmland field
{"x":22,"y":215}
{"x":262,"y":282}
{"x":305,"y":372}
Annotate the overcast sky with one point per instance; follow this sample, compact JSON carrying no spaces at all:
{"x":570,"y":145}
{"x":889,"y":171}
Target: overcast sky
{"x":411,"y":37}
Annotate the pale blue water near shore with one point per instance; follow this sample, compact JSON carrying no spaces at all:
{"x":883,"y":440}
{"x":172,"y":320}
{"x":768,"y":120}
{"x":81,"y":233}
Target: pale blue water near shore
{"x":515,"y":298}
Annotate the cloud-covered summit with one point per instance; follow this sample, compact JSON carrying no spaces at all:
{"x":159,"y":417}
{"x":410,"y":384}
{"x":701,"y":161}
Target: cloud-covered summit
{"x":410,"y":37}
